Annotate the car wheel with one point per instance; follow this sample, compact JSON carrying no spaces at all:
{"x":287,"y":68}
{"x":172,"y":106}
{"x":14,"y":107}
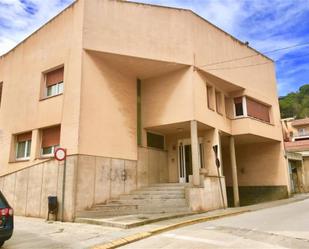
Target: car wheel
{"x":1,"y":243}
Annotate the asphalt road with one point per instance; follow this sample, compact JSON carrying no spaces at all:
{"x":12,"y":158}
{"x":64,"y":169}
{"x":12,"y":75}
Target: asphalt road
{"x":278,"y":227}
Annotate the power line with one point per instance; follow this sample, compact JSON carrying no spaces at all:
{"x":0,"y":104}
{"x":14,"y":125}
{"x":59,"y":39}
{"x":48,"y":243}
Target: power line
{"x":228,"y":68}
{"x":257,"y":64}
{"x":249,"y":56}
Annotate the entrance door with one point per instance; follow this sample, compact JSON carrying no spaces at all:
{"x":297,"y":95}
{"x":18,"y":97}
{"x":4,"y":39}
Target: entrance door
{"x":185,"y":159}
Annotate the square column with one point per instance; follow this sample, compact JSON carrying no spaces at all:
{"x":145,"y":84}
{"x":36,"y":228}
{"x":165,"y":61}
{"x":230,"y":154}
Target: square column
{"x":195,"y":153}
{"x":234,"y":172}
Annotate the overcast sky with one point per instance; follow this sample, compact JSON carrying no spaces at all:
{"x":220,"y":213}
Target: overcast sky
{"x":266,"y":24}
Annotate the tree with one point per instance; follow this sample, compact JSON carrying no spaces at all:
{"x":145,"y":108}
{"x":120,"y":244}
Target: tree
{"x":295,"y":104}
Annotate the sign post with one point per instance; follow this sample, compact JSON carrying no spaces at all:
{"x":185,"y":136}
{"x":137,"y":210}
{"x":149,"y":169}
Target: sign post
{"x":61,"y":155}
{"x":215,"y":148}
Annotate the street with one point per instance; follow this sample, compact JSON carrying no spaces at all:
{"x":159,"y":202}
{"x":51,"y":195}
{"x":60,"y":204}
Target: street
{"x":279,"y":227}
{"x":284,"y":226}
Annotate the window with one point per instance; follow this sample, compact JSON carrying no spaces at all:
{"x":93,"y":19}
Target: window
{"x":210,"y":100}
{"x":54,"y":82}
{"x":301,"y":131}
{"x":257,"y":110}
{"x":155,"y":141}
{"x":50,"y":140}
{"x":218,"y":102}
{"x":1,"y":86}
{"x":238,"y":103}
{"x":23,"y":146}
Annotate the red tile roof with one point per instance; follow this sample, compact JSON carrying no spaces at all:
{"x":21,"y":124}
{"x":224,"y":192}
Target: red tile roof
{"x":298,"y":122}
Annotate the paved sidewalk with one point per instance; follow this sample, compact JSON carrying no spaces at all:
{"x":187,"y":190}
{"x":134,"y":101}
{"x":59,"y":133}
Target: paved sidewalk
{"x":36,"y":233}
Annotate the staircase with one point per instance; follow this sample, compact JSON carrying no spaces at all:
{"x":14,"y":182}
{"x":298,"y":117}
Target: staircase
{"x":154,"y":199}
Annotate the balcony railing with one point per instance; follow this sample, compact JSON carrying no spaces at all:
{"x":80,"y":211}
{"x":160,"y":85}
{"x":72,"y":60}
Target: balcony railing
{"x":301,"y":134}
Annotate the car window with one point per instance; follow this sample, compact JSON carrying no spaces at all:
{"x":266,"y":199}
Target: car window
{"x":3,"y":202}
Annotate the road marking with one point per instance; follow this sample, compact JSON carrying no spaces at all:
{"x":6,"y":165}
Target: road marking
{"x":189,"y":238}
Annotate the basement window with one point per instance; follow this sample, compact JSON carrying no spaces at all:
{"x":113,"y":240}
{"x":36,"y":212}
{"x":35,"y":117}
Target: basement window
{"x":23,"y":146}
{"x":155,"y":141}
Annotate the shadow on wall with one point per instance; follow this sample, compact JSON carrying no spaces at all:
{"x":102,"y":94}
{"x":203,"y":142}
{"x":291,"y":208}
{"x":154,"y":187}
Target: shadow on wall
{"x":250,"y":195}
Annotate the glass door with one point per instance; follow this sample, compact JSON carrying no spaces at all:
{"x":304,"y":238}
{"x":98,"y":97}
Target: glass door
{"x":185,"y":159}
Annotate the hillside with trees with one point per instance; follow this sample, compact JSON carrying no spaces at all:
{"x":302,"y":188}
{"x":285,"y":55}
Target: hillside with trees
{"x":295,"y":103}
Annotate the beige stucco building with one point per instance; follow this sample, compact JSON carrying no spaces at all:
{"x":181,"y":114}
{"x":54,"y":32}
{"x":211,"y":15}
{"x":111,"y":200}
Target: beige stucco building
{"x":296,"y":137}
{"x":137,"y":94}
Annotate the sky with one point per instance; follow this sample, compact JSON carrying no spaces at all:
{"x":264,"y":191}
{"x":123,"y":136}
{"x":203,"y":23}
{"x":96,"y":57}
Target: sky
{"x":266,"y":24}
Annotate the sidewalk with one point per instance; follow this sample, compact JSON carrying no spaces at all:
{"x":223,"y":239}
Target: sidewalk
{"x":135,"y":234}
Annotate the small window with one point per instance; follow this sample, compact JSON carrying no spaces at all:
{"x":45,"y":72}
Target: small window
{"x":54,"y":82}
{"x":301,"y":131}
{"x":23,"y":146}
{"x":239,"y":110}
{"x":210,"y":100}
{"x":50,"y":141}
{"x":219,"y":102}
{"x":155,"y":141}
{"x":1,"y":86}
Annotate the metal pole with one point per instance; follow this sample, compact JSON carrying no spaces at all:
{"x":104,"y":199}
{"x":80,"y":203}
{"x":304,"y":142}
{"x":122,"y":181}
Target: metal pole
{"x":221,"y":189}
{"x":63,"y":188}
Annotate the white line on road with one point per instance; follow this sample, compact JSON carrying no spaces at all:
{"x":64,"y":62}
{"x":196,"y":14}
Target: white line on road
{"x":189,"y":238}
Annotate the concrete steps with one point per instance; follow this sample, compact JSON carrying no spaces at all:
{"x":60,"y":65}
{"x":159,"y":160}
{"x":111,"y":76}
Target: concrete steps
{"x":154,"y":199}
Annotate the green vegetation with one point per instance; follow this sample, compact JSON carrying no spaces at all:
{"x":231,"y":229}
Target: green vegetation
{"x":295,"y":103}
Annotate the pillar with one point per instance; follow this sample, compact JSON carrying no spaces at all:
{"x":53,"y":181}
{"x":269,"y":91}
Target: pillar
{"x":35,"y":145}
{"x":195,"y":153}
{"x":234,"y":172}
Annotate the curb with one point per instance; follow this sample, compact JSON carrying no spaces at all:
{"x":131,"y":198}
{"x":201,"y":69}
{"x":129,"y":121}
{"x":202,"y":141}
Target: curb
{"x":142,"y":235}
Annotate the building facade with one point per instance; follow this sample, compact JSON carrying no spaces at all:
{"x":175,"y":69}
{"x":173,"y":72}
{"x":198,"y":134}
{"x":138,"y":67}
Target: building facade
{"x":296,"y":137}
{"x":138,"y":94}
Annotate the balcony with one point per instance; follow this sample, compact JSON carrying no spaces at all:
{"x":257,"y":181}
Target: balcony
{"x":300,"y":136}
{"x":248,"y":125}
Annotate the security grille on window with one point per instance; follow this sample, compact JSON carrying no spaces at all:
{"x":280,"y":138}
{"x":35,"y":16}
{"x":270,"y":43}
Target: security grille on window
{"x":50,"y":140}
{"x":23,"y":146}
{"x":54,"y":82}
{"x":155,"y":140}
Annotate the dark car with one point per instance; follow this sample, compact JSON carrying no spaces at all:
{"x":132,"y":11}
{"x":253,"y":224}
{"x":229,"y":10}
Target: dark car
{"x":6,"y":220}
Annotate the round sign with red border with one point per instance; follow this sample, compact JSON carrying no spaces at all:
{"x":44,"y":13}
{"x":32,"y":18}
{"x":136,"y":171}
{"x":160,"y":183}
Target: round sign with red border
{"x":60,"y":154}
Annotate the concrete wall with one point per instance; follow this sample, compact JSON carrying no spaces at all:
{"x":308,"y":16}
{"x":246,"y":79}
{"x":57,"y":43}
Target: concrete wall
{"x":108,"y":110}
{"x":152,"y":167}
{"x":167,"y":99}
{"x":27,"y":190}
{"x":100,"y":179}
{"x":258,"y":164}
{"x":90,"y":180}
{"x":261,"y":169}
{"x":209,"y":196}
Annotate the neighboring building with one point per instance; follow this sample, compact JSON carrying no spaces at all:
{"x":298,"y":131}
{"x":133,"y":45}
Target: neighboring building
{"x":137,"y":94}
{"x":296,"y":137}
